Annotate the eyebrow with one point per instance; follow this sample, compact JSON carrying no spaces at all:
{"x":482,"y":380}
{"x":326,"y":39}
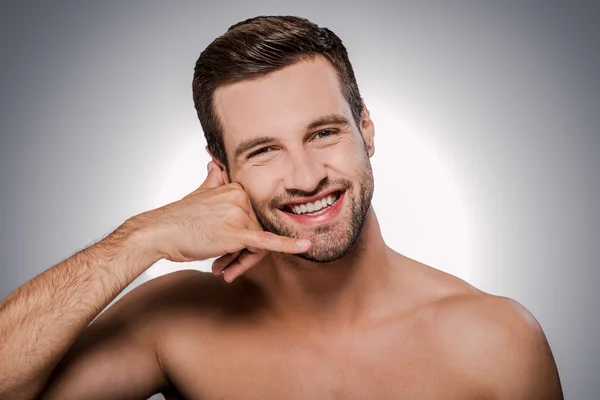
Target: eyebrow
{"x":330,"y":119}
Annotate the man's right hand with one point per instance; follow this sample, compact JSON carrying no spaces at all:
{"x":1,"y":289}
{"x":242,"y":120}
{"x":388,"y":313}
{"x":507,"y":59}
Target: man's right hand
{"x":215,"y":220}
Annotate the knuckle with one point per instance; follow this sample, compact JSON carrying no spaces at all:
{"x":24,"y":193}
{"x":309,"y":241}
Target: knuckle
{"x":238,"y":194}
{"x":251,"y":238}
{"x":236,"y":214}
{"x":265,"y":238}
{"x":235,"y":185}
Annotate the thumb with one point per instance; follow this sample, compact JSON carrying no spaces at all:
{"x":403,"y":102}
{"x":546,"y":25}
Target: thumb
{"x":214,"y":178}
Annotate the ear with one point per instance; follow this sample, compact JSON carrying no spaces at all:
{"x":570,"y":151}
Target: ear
{"x":220,"y":164}
{"x":368,"y":129}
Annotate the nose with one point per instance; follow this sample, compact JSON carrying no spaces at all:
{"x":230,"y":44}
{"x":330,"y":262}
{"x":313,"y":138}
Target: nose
{"x":305,"y":172}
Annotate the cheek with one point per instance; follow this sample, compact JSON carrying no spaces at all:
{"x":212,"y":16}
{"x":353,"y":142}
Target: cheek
{"x":345,"y":158}
{"x":259,"y":183}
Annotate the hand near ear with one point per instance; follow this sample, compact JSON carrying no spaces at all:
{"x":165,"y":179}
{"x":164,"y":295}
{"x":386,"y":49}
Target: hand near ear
{"x":215,"y":220}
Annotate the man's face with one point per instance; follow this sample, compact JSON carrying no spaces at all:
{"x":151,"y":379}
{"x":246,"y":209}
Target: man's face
{"x":293,"y":145}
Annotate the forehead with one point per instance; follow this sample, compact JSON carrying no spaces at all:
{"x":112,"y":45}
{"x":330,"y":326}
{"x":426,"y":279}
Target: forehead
{"x":280,"y":103}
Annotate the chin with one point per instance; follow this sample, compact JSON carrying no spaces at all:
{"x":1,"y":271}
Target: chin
{"x":323,"y":251}
{"x":321,"y":258}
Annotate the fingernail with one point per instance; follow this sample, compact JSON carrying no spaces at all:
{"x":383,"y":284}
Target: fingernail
{"x":209,"y":166}
{"x":303,"y":243}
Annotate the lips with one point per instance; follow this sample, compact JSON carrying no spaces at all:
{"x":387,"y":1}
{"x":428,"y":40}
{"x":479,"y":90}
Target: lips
{"x":326,"y":215}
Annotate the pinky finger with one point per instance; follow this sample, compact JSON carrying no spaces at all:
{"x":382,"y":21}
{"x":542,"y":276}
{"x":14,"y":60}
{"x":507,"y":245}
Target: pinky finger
{"x":245,"y":261}
{"x":222,"y":262}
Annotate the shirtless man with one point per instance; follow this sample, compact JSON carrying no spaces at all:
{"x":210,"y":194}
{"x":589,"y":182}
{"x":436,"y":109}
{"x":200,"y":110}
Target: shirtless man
{"x":312,"y":304}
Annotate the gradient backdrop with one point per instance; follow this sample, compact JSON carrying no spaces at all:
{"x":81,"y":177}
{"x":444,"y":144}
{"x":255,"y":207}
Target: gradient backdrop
{"x":487,"y":141}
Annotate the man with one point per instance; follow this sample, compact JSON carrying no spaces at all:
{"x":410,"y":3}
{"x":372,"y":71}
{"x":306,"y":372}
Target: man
{"x":311,"y":304}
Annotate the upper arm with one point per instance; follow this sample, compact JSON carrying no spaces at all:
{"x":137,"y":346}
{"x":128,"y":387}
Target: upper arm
{"x":503,"y":348}
{"x":116,"y":356}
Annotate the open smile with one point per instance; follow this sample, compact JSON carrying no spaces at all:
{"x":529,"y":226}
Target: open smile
{"x":317,"y":212}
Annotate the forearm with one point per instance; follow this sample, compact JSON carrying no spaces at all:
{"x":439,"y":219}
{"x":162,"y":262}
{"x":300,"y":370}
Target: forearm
{"x":41,"y":320}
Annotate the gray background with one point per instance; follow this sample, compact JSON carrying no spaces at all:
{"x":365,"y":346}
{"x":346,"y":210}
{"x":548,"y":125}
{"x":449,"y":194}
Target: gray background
{"x":487,"y":139}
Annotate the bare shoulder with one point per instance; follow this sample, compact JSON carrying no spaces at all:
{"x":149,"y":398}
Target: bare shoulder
{"x":141,"y":309}
{"x":485,"y":322}
{"x":492,"y":342}
{"x":120,"y":351}
{"x":498,"y":343}
{"x":181,"y":294}
{"x":461,"y":309}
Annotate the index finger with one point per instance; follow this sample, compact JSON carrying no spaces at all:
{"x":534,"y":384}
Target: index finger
{"x":272,"y":242}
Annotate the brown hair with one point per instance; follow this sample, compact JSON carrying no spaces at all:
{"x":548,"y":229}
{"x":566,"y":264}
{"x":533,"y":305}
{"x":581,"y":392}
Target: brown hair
{"x":256,"y":47}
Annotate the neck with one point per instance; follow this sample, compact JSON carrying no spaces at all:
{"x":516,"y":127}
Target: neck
{"x":338,"y":293}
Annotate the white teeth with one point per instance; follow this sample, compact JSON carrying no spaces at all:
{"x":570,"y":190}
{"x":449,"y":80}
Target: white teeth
{"x":316,"y":206}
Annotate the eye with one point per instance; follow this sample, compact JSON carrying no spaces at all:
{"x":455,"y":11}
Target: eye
{"x":262,"y":150}
{"x":326,"y":133}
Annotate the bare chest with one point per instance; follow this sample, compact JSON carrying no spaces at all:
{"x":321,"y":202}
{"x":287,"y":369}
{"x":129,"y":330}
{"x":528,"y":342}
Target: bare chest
{"x":377,"y":365}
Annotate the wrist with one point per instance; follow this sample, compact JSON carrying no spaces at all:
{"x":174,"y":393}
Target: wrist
{"x":141,"y":234}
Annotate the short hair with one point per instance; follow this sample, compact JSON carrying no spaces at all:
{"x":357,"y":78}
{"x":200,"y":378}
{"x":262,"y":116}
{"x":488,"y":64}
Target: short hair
{"x":256,"y":47}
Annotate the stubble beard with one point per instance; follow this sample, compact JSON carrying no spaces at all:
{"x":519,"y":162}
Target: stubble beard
{"x":330,"y":241}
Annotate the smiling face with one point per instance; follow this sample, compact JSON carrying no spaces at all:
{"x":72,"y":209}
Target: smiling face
{"x":292,"y":144}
